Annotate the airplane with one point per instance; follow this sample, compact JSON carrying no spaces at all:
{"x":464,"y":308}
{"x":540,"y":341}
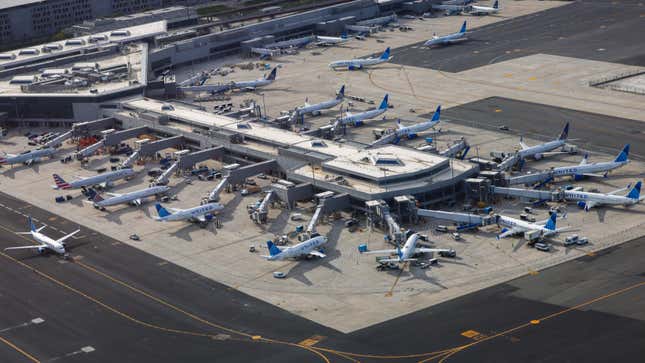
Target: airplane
{"x":102,"y":179}
{"x":357,"y":119}
{"x":587,"y":200}
{"x":449,"y":9}
{"x":531,"y":230}
{"x":448,"y":39}
{"x":302,"y":249}
{"x":28,"y":157}
{"x":46,"y":243}
{"x":260,"y":82}
{"x":307,"y":108}
{"x":325,"y":41}
{"x":134,"y":198}
{"x":484,"y":10}
{"x":409,"y":132}
{"x":406,"y":253}
{"x":202,"y":213}
{"x":540,"y":150}
{"x":585,"y":169}
{"x":354,"y":64}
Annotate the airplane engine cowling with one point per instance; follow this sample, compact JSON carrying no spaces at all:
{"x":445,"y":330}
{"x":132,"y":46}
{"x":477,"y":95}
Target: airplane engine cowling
{"x":538,"y":156}
{"x":581,"y":204}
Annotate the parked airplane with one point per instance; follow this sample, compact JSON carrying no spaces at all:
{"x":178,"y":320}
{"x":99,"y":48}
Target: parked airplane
{"x":585,"y":169}
{"x":260,"y":82}
{"x":134,"y":198}
{"x":409,"y":132}
{"x":46,"y":243}
{"x":484,"y":10}
{"x":202,"y":213}
{"x":531,"y":230}
{"x":358,"y":118}
{"x":448,"y":39}
{"x":28,"y":157}
{"x":406,"y":253}
{"x":102,"y":179}
{"x":589,"y":200}
{"x":302,"y":249}
{"x":307,"y":108}
{"x":449,"y":9}
{"x":537,"y":151}
{"x":325,"y":41}
{"x":360,"y":63}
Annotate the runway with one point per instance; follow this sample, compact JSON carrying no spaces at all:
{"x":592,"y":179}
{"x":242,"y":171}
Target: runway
{"x":591,"y":29}
{"x":111,"y":303}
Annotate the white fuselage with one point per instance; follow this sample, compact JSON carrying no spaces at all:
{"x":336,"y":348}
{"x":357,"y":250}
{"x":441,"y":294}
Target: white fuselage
{"x":299,"y":250}
{"x":415,"y":129}
{"x":50,"y":243}
{"x":522,"y":226}
{"x":357,"y":63}
{"x":536,"y":151}
{"x":445,"y":39}
{"x":191,"y":213}
{"x":319,"y":106}
{"x":599,"y":198}
{"x":330,"y":40}
{"x":483,"y":10}
{"x":100,"y":179}
{"x":587,"y":168}
{"x":251,"y":84}
{"x":356,"y":119}
{"x":30,"y":156}
{"x":132,"y":196}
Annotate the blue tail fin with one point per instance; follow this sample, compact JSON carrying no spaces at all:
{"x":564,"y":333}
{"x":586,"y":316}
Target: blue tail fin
{"x":383,"y":104}
{"x":271,"y":76}
{"x":343,"y":36}
{"x":341,"y":93}
{"x":161,"y":210}
{"x":565,"y":132}
{"x":463,"y":27}
{"x":496,"y":4}
{"x":32,"y":226}
{"x":386,"y":54}
{"x":437,"y":114}
{"x":273,"y":249}
{"x":635,"y":193}
{"x":550,"y":224}
{"x":624,"y":154}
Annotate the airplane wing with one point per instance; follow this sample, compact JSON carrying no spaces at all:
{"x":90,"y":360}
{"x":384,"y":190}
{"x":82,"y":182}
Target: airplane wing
{"x":114,"y":194}
{"x":523,"y":145}
{"x":379,"y":252}
{"x":137,"y":202}
{"x":201,"y":218}
{"x":595,"y":176}
{"x":590,"y":204}
{"x":174,"y":210}
{"x":317,"y":254}
{"x":25,"y":247}
{"x":387,"y":260}
{"x":619,"y":190}
{"x":61,"y":240}
{"x":508,"y":232}
{"x":429,"y":250}
{"x":550,"y":153}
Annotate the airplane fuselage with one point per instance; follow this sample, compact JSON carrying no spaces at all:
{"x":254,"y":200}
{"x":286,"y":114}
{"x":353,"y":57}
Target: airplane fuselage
{"x":356,"y":119}
{"x":132,"y":196}
{"x":50,"y":243}
{"x":319,"y":106}
{"x":587,"y":168}
{"x":536,"y":151}
{"x":357,"y":63}
{"x":598,"y":198}
{"x":301,"y":249}
{"x":28,"y":156}
{"x":522,"y":226}
{"x":98,"y":179}
{"x":192,"y":213}
{"x":445,"y":39}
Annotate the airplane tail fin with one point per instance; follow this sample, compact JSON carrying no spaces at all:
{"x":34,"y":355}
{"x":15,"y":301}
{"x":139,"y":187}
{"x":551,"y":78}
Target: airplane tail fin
{"x":463,"y":27}
{"x":398,"y":123}
{"x":32,"y":226}
{"x":272,"y":75}
{"x":60,"y":182}
{"x":341,"y":93}
{"x":386,"y":54}
{"x":437,"y":114}
{"x":624,"y":154}
{"x":635,"y":192}
{"x":273,"y":249}
{"x":584,"y":159}
{"x":343,"y":35}
{"x":565,"y":132}
{"x":383,"y":104}
{"x":161,"y":210}
{"x":550,"y":224}
{"x":496,"y":4}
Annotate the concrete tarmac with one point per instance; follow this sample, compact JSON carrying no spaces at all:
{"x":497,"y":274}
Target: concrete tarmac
{"x":111,"y":302}
{"x":601,"y":30}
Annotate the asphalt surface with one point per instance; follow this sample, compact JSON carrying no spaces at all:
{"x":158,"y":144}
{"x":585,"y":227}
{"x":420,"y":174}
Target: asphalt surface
{"x":603,"y":30}
{"x":544,"y":122}
{"x":111,"y":302}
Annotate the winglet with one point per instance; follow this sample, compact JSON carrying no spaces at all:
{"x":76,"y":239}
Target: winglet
{"x":383,"y":105}
{"x":273,"y":249}
{"x":386,"y":54}
{"x":272,"y":75}
{"x":161,"y":210}
{"x":635,"y":193}
{"x":463,"y":27}
{"x":437,"y":114}
{"x":550,"y":224}
{"x":565,"y":132}
{"x":624,"y":154}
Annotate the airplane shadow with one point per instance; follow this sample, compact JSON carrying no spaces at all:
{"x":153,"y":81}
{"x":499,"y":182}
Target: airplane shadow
{"x":278,"y":225}
{"x":227,"y":215}
{"x":416,"y":273}
{"x":184,"y":232}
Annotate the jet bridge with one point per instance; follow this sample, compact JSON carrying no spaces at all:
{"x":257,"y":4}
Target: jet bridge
{"x":530,"y":178}
{"x":151,"y":148}
{"x":465,"y":218}
{"x":458,"y":149}
{"x":88,"y":127}
{"x":379,"y":215}
{"x":213,"y":196}
{"x":311,"y":227}
{"x":58,"y":140}
{"x":189,"y":160}
{"x":88,"y":151}
{"x":259,"y":215}
{"x":528,"y":193}
{"x":117,"y":137}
